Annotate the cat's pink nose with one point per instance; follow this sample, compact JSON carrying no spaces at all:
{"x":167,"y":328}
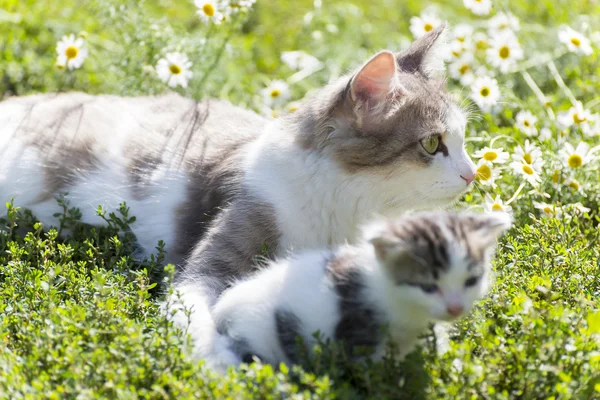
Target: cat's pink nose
{"x":468,"y":178}
{"x":455,"y":309}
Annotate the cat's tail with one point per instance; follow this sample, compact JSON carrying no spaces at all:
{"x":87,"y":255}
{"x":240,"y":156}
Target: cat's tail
{"x":190,"y":309}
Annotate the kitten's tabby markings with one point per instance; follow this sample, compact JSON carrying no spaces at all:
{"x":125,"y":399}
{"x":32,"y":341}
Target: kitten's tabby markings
{"x":352,"y":294}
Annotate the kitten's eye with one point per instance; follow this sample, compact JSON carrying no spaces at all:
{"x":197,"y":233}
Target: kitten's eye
{"x":429,"y":287}
{"x":472,"y":281}
{"x":431,"y":144}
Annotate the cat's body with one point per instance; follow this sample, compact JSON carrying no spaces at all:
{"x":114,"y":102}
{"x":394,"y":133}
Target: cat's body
{"x":220,"y":185}
{"x":403,"y":275}
{"x":172,"y":160}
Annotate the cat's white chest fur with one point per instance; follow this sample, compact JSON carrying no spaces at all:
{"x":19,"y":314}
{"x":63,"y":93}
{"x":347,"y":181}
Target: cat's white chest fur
{"x":316,"y":203}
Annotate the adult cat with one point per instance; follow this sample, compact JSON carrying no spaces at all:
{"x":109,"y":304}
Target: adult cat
{"x":224,"y":181}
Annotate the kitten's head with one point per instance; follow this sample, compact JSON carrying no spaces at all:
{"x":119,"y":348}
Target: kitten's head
{"x":438,"y":263}
{"x":393,"y":123}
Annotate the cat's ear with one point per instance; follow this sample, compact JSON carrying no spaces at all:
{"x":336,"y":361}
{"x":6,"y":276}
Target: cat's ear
{"x":488,"y":227}
{"x":385,"y":243}
{"x":376,"y":80}
{"x":424,"y":55}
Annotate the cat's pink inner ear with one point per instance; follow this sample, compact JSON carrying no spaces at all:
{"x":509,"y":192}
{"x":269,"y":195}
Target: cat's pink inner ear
{"x":376,"y":79}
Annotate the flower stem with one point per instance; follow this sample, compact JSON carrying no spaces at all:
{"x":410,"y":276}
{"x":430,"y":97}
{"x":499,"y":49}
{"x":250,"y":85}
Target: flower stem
{"x":501,"y":137}
{"x":561,"y":83}
{"x":514,"y":197}
{"x":538,"y":92}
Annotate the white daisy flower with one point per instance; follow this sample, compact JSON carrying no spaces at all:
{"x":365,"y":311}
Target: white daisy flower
{"x":453,"y":50}
{"x":71,"y":52}
{"x":526,"y":121}
{"x":577,"y":208}
{"x":495,"y":204}
{"x":548,"y":210}
{"x":575,"y":41}
{"x":299,"y":60}
{"x":479,"y":7}
{"x":486,"y":174}
{"x":240,"y":5}
{"x":174,"y":69}
{"x":575,"y":157}
{"x":504,"y":52}
{"x":481,"y":41}
{"x":576,"y":115}
{"x":527,"y":171}
{"x":502,"y":22}
{"x":495,"y":156}
{"x":423,"y":24}
{"x":463,"y":69}
{"x":463,"y":33}
{"x":545,"y":134}
{"x":209,"y":11}
{"x":574,"y":185}
{"x":529,"y":154}
{"x":277,"y":93}
{"x":485,"y":92}
{"x":592,"y":127}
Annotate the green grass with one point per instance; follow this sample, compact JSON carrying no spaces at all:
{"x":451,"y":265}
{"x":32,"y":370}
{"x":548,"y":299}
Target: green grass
{"x":80,"y":317}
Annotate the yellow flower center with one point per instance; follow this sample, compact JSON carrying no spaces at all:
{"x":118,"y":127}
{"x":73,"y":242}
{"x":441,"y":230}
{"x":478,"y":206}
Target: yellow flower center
{"x":575,"y":161}
{"x":484,"y":173}
{"x":461,"y":39}
{"x":527,"y":158}
{"x":463,"y":69}
{"x":481,"y":44}
{"x":490,"y":155}
{"x":485,"y":91}
{"x":576,"y":41}
{"x":574,"y":185}
{"x":71,"y":52}
{"x":578,"y":119}
{"x":455,"y":53}
{"x":526,"y":123}
{"x":504,"y":52}
{"x":175,"y":69}
{"x":275,"y":93}
{"x":527,"y":169}
{"x":497,"y":207}
{"x":556,"y":176}
{"x":548,"y":210}
{"x":428,"y":27}
{"x":208,"y":9}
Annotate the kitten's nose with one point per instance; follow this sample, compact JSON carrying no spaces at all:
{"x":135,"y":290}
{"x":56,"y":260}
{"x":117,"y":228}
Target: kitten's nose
{"x":455,"y":309}
{"x":468,"y":178}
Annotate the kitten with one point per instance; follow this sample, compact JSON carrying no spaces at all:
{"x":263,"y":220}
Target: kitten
{"x":221,"y":185}
{"x":403,"y":275}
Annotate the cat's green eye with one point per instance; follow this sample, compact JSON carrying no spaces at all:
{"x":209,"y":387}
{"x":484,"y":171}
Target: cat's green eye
{"x":431,"y":143}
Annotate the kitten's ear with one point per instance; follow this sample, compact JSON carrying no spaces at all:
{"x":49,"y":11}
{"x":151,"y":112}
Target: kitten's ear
{"x":424,"y":55}
{"x":375,"y":80}
{"x":490,"y":226}
{"x":384,"y":242}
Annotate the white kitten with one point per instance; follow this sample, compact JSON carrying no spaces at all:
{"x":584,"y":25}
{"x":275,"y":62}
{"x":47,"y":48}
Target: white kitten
{"x":405,"y":274}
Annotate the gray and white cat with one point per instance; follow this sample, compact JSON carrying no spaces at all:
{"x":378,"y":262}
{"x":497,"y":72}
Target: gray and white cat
{"x":220,"y":184}
{"x":403,"y":275}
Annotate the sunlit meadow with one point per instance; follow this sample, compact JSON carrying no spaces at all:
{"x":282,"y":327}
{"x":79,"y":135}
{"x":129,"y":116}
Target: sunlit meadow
{"x":79,"y":317}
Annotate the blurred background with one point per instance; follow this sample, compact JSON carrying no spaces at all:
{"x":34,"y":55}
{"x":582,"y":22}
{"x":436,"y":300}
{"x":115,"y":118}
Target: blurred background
{"x":125,"y":40}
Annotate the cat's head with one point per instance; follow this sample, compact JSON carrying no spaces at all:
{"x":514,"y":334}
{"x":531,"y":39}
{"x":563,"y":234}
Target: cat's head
{"x":437,"y":264}
{"x":393,"y":124}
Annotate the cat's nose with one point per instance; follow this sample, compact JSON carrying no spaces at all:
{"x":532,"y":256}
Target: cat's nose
{"x":455,"y":309}
{"x":468,"y":178}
